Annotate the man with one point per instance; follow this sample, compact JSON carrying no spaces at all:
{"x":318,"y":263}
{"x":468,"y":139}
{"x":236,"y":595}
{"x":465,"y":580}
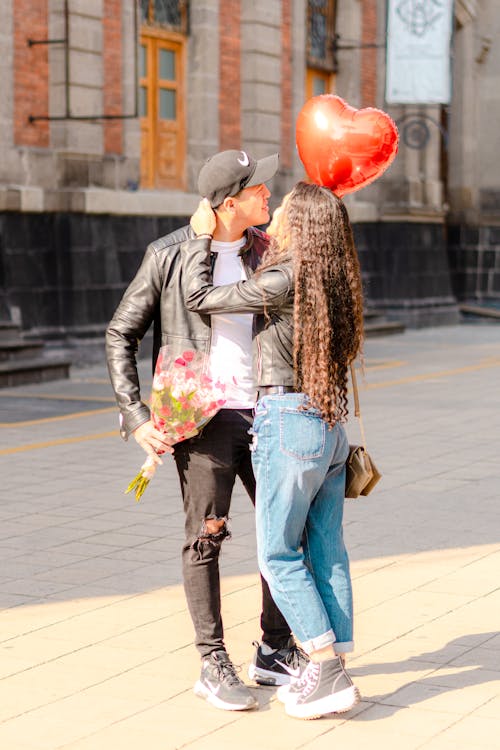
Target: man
{"x":208,"y":464}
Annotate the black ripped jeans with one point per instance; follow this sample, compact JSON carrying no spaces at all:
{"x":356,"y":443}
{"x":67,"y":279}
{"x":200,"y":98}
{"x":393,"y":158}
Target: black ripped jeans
{"x":208,"y":465}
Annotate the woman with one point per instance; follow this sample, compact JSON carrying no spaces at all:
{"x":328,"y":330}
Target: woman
{"x":307,"y":297}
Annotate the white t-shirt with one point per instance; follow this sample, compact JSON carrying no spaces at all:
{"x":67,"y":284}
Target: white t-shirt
{"x":231,"y":349}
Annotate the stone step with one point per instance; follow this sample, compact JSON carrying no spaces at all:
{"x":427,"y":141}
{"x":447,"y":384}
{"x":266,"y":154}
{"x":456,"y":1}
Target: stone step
{"x":14,"y":349}
{"x":383,"y":328}
{"x":376,"y":324}
{"x":35,"y":370}
{"x":23,"y":360}
{"x":8,"y":330}
{"x":480,"y":311}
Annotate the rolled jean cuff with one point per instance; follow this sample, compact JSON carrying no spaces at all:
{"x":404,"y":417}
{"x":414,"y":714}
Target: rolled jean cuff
{"x":321,"y":641}
{"x":343,"y":647}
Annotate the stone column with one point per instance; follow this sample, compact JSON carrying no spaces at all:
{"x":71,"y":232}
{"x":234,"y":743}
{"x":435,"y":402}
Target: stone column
{"x":464,"y":124}
{"x":202,"y":87}
{"x":299,"y":64}
{"x":261,"y":76}
{"x":80,"y":143}
{"x":129,"y":171}
{"x":9,"y":163}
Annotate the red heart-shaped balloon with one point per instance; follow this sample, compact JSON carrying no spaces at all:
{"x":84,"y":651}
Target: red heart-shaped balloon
{"x":344,"y":148}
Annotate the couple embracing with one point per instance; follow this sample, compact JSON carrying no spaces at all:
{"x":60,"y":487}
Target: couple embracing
{"x":282,"y":313}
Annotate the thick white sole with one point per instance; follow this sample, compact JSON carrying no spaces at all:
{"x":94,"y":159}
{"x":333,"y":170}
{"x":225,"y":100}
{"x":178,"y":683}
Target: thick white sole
{"x":266,"y":677}
{"x":336,"y":703}
{"x":282,"y":693}
{"x":202,"y":692}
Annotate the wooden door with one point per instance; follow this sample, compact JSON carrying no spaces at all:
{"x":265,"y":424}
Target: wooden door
{"x":161,"y":71}
{"x":319,"y":82}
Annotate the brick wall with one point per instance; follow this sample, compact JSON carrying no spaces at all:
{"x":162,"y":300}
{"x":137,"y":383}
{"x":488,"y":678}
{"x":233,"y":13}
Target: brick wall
{"x":230,"y":78}
{"x":369,"y":55}
{"x":287,"y":125}
{"x":31,"y":72}
{"x":112,"y":64}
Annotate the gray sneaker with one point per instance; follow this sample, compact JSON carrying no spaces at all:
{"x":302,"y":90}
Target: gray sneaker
{"x":324,"y":688}
{"x":220,"y":685}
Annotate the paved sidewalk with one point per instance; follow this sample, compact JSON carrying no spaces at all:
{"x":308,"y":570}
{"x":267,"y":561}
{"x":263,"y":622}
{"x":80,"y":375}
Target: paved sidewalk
{"x":95,"y":641}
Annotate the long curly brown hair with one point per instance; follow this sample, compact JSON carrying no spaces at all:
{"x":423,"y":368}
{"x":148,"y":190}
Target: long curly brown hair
{"x":316,"y":235}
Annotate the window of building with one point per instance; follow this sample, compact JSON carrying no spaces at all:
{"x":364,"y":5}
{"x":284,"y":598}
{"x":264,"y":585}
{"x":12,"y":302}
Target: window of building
{"x":161,"y":93}
{"x":321,"y":64}
{"x":172,"y":14}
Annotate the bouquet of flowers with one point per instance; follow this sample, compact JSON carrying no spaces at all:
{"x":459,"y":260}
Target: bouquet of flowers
{"x":183,"y":399}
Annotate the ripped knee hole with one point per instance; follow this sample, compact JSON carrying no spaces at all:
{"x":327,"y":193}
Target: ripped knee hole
{"x":214,"y":530}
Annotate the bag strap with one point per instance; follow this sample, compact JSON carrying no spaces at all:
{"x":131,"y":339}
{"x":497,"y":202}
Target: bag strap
{"x":357,"y":408}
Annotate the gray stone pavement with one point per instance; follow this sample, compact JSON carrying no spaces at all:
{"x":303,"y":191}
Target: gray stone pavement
{"x":96,"y":644}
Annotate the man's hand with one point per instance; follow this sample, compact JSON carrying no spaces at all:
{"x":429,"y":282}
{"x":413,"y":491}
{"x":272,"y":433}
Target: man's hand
{"x":152,"y":441}
{"x":203,"y":220}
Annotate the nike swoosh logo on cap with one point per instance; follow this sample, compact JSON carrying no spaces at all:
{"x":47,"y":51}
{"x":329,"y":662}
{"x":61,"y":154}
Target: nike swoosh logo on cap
{"x":245,"y":161}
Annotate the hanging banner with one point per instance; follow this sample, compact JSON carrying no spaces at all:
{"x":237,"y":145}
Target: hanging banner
{"x":418,"y":62}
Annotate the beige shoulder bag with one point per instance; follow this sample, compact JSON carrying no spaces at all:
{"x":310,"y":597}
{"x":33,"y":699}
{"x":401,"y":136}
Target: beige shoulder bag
{"x":361,"y":473}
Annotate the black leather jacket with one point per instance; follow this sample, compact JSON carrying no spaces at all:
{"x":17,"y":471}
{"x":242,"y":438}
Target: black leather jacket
{"x":269,"y":295}
{"x":156,"y":295}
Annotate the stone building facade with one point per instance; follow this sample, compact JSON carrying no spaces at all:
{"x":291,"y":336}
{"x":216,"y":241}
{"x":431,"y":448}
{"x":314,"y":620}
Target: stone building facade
{"x":109,"y":108}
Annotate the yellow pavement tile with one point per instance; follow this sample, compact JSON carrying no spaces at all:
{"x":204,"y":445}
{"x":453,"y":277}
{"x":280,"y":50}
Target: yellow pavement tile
{"x":440,"y":743}
{"x":75,"y":672}
{"x":169,"y":633}
{"x":469,"y":732}
{"x":7,"y":740}
{"x":476,"y":579}
{"x":489,"y":658}
{"x":122,"y":738}
{"x":162,"y":727}
{"x":32,"y":649}
{"x":16,"y":702}
{"x":96,"y":627}
{"x":275,"y":730}
{"x":376,"y":681}
{"x":411,"y":647}
{"x":457,"y":698}
{"x":413,"y":721}
{"x":360,"y":736}
{"x":103,"y":660}
{"x":467,"y":676}
{"x":408,"y":611}
{"x":136,"y":685}
{"x":67,"y":720}
{"x":490,"y":709}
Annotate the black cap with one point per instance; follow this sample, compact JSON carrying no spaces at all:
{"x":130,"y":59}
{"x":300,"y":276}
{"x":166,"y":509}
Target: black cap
{"x":228,"y":172}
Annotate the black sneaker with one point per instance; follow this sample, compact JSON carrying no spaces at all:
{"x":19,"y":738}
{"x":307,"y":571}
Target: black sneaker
{"x":324,"y":688}
{"x":279,"y":667}
{"x":220,"y":685}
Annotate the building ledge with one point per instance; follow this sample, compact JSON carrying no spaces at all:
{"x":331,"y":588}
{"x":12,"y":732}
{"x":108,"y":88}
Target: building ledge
{"x":98,"y":201}
{"x":171,"y":203}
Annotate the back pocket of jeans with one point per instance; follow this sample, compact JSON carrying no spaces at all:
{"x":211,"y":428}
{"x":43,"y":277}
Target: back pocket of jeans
{"x":302,"y":434}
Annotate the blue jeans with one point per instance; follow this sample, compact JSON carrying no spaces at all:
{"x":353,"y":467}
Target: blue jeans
{"x":299,"y":466}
